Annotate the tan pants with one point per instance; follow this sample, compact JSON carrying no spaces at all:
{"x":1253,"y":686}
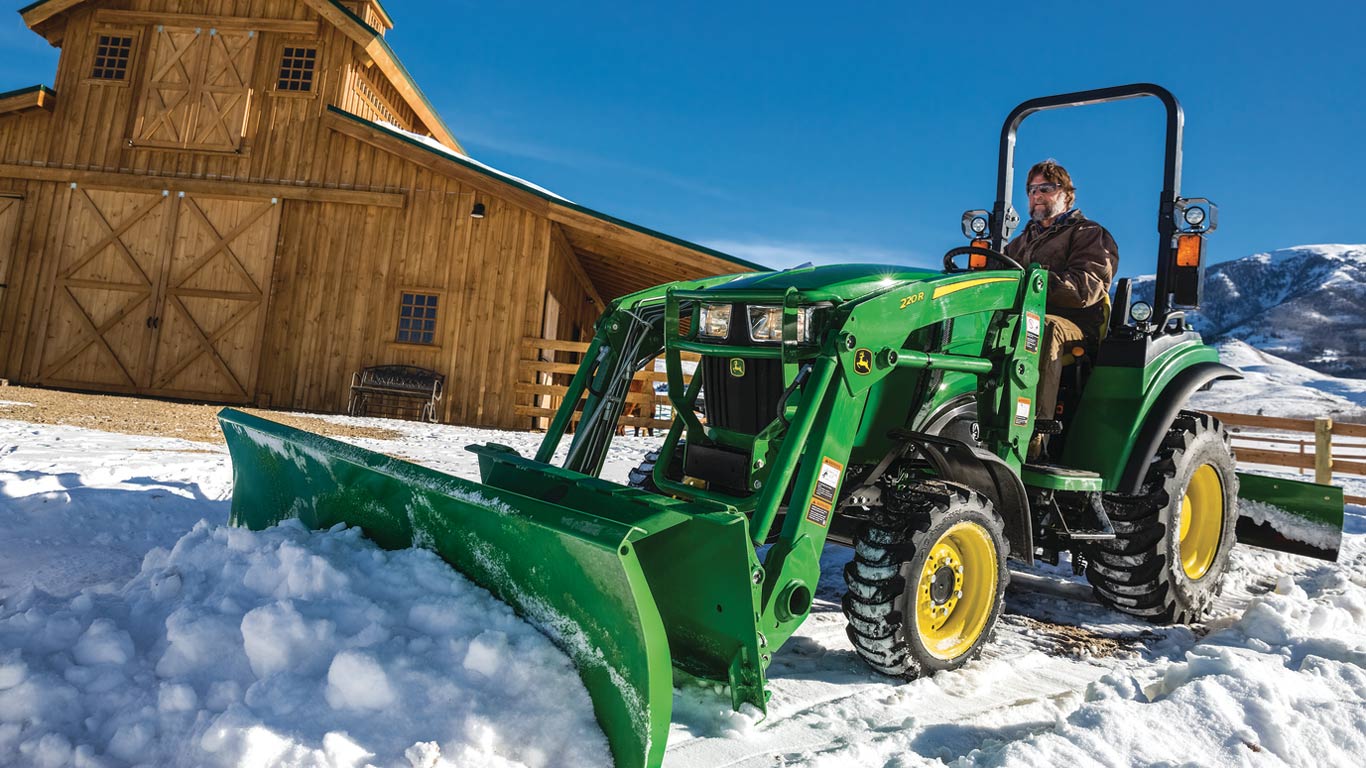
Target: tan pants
{"x":1060,"y":335}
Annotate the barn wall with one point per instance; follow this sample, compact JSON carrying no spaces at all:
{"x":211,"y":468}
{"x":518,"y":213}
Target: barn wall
{"x":341,"y":269}
{"x":93,"y":122}
{"x":332,"y":271}
{"x":577,"y":311}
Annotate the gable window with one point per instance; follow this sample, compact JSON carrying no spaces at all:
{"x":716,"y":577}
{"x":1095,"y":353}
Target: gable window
{"x":296,"y":69}
{"x":417,"y":318}
{"x":111,"y":57}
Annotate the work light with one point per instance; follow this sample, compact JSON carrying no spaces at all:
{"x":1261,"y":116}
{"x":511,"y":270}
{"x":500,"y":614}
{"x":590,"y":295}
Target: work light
{"x":766,"y":324}
{"x":714,"y":321}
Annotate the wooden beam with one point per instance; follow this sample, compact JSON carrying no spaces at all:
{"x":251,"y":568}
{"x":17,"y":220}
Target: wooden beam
{"x":374,"y":47}
{"x":577,"y":268}
{"x":641,"y":242}
{"x":41,"y":13}
{"x":243,"y":189}
{"x":434,"y":160}
{"x":38,"y":98}
{"x":137,"y":18}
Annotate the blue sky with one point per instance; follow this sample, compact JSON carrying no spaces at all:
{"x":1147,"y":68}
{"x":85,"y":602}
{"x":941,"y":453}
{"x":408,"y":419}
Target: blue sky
{"x":786,"y":132}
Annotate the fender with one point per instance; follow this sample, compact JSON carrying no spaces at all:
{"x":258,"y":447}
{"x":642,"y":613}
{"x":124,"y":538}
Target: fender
{"x":1163,"y":413}
{"x":982,"y":471}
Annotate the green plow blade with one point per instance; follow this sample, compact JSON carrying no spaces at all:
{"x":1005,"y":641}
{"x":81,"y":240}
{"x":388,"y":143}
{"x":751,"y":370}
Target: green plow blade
{"x":1290,"y":516}
{"x":588,"y":580}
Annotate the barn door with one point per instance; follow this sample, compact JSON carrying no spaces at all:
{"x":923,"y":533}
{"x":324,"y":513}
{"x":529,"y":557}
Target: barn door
{"x":10,"y":208}
{"x":168,"y":96}
{"x":213,"y":309}
{"x":100,"y":319}
{"x":198,"y":89}
{"x":225,"y":90}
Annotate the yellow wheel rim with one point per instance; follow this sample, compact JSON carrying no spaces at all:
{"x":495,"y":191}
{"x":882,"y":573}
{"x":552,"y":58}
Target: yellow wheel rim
{"x":956,"y":591}
{"x":1202,"y":521}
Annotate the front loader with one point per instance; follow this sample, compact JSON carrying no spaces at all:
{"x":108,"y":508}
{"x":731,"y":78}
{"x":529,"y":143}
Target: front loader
{"x":884,"y":408}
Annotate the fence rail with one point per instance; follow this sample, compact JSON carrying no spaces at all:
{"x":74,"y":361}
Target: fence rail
{"x":547,"y":365}
{"x":1253,"y":445}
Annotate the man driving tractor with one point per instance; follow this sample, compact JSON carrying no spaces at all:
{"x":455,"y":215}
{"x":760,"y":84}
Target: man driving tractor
{"x":1081,"y":258}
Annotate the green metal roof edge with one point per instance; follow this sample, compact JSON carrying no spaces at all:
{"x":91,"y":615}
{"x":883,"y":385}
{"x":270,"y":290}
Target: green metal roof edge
{"x":30,"y":89}
{"x":553,"y":198}
{"x":397,"y":61}
{"x":31,"y":6}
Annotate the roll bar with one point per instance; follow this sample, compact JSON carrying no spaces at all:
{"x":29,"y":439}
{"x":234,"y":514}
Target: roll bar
{"x":1004,"y":218}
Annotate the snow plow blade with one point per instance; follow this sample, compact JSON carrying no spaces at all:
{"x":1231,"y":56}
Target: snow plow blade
{"x":588,"y":580}
{"x":1290,"y":516}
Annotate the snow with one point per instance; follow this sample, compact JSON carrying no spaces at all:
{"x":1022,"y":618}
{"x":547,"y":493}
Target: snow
{"x":137,"y":628}
{"x":431,"y":142}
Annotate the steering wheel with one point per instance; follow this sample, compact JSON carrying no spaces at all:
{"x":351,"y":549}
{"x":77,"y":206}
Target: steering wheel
{"x":999,"y":257}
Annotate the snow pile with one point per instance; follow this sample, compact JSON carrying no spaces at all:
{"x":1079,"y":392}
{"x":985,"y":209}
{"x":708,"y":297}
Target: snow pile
{"x":286,"y":647}
{"x":1284,"y":681}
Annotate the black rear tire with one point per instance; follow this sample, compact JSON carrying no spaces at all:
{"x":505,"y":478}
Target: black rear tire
{"x":899,"y":580}
{"x":1153,"y":568}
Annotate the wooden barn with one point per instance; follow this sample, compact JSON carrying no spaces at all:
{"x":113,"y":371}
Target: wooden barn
{"x":248,"y":201}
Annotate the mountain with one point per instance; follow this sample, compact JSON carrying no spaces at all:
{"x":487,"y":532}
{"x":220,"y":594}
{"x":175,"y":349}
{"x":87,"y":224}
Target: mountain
{"x":1272,"y":386}
{"x":1305,"y":304}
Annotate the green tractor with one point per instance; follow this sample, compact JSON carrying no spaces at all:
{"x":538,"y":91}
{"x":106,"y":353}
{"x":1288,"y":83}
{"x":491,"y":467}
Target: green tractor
{"x":884,"y":408}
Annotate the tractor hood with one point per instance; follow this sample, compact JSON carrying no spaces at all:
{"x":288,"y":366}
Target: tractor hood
{"x":840,"y":282}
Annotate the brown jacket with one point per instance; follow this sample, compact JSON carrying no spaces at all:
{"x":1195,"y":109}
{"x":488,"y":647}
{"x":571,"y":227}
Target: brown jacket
{"x":1081,"y":258}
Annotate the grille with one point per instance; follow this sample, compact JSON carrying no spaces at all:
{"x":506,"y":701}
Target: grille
{"x":744,"y":403}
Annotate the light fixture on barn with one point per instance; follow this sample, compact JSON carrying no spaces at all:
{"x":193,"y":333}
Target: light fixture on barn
{"x":478,"y":211}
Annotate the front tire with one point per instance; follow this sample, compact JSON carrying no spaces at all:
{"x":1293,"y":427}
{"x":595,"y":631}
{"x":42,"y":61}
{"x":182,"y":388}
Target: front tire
{"x":1172,"y":542}
{"x":928,"y":579}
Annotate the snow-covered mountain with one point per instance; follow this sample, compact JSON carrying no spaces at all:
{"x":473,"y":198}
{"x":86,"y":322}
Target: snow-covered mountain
{"x":1305,"y":304}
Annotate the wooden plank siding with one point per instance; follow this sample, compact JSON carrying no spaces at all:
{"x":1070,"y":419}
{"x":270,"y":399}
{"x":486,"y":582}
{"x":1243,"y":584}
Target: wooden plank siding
{"x":254,"y":245}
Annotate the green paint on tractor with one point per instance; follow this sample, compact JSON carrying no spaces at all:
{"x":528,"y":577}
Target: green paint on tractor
{"x":892,"y":413}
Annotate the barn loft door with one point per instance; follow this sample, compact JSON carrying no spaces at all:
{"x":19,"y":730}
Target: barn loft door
{"x":214,"y":306}
{"x":161,"y":294}
{"x":198,"y":89}
{"x":99,"y":324}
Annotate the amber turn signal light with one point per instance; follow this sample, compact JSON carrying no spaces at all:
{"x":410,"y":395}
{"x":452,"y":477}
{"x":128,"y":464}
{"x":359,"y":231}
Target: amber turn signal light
{"x":978,"y":260}
{"x":1188,"y":250}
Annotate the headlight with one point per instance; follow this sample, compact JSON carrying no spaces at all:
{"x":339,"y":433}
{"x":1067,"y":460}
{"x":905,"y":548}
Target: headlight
{"x":714,"y":322}
{"x":766,"y":324}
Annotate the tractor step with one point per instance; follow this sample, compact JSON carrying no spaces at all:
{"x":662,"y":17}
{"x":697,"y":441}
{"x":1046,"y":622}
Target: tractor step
{"x":1056,"y":478}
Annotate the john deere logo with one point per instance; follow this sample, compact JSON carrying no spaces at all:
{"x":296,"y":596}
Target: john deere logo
{"x":737,"y":367}
{"x":863,"y":361}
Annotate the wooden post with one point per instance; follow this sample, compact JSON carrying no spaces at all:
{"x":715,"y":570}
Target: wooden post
{"x":1323,"y":450}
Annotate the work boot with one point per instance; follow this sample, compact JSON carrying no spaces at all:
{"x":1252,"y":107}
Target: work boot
{"x":1039,"y":442}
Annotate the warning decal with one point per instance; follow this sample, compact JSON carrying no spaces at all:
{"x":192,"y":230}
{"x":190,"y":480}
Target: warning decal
{"x":1033,"y":330}
{"x":823,"y":498}
{"x":1022,"y":411}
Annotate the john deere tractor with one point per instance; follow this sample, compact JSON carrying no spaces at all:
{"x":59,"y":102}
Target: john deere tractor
{"x":884,"y":408}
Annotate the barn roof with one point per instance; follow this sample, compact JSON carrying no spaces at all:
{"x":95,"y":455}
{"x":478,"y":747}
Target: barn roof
{"x":619,"y":256}
{"x":369,"y":39}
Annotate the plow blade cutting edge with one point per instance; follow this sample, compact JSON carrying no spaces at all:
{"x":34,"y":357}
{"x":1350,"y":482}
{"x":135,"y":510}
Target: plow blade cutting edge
{"x":588,"y":580}
{"x":1290,"y":516}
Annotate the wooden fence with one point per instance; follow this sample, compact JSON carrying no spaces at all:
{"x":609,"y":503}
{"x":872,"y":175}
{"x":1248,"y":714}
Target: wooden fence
{"x":1303,"y":444}
{"x":547,"y":366}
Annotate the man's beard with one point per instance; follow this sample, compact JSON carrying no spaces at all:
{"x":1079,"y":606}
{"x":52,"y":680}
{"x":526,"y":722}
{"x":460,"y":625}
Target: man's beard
{"x":1042,"y":213}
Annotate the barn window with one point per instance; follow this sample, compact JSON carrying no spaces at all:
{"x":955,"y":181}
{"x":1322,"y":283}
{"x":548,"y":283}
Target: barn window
{"x":417,"y":318}
{"x":296,"y":69}
{"x":111,"y":57}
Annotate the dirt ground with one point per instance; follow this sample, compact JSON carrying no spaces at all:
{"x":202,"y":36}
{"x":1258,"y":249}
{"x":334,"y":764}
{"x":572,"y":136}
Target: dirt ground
{"x":147,"y":416}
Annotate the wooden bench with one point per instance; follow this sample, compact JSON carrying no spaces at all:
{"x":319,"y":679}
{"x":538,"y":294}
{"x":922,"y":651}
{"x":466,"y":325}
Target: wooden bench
{"x":396,"y":390}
